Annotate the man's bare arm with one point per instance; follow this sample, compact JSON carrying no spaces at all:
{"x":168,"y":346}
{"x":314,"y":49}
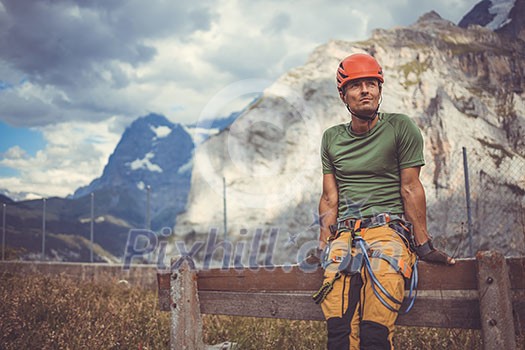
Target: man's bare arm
{"x":327,"y":208}
{"x":414,"y":201}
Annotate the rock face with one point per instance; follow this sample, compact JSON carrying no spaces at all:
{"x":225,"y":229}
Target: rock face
{"x":463,"y":87}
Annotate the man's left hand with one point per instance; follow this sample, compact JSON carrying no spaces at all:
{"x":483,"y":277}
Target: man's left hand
{"x":428,"y":253}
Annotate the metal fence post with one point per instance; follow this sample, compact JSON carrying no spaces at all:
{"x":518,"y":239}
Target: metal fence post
{"x":224,"y":209}
{"x":148,"y":207}
{"x":467,"y":195}
{"x":43,"y":228}
{"x":92,"y":226}
{"x":3,"y":231}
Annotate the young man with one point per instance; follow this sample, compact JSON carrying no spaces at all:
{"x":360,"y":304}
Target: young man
{"x":372,"y":196}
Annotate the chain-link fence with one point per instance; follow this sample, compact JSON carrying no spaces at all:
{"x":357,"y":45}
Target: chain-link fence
{"x":480,"y":205}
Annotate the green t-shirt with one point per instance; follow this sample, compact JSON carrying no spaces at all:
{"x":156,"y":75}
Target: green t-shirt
{"x":367,"y":166}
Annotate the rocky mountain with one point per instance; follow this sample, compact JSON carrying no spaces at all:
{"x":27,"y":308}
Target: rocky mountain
{"x":155,"y":156}
{"x":152,"y":152}
{"x":5,"y":199}
{"x":462,"y":86}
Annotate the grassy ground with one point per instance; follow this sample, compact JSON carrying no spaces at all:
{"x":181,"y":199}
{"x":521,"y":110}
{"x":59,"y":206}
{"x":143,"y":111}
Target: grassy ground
{"x":42,"y":312}
{"x":251,"y":333}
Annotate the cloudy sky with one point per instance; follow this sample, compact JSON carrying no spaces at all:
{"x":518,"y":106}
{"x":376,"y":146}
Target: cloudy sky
{"x":74,"y":74}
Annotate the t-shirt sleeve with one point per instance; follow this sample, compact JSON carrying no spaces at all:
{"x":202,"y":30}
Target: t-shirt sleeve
{"x":410,"y":144}
{"x":325,"y":154}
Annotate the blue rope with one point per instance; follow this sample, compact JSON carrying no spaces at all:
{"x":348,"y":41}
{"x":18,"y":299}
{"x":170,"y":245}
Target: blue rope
{"x":375,"y":282}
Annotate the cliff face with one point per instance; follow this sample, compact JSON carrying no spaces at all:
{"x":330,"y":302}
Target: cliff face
{"x":463,"y":87}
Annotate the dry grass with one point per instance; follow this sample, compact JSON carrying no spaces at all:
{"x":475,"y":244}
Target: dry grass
{"x":257,"y":333}
{"x":42,"y":312}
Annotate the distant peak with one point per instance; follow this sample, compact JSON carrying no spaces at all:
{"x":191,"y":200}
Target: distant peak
{"x":155,"y":118}
{"x":152,"y":121}
{"x":430,"y":17}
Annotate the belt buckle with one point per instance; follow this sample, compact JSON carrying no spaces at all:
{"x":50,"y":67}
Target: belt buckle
{"x":347,"y":223}
{"x":380,"y":219}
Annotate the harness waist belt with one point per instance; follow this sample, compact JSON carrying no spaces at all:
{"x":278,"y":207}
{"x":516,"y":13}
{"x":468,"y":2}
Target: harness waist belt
{"x":373,"y":221}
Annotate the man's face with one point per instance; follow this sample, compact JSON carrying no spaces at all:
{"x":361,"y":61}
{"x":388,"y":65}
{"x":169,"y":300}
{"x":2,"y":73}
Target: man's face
{"x":363,"y":95}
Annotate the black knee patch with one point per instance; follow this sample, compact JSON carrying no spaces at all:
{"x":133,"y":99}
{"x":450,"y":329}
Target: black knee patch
{"x":338,"y":333}
{"x":373,"y":336}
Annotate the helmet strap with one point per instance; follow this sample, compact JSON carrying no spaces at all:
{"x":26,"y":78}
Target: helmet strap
{"x":364,"y":117}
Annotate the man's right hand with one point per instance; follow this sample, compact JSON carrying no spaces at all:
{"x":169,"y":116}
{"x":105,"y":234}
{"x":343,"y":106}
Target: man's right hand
{"x":313,"y":260}
{"x":428,"y":253}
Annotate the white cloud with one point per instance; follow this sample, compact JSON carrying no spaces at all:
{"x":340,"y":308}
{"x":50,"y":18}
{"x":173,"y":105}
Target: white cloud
{"x":70,"y":66}
{"x":15,"y":152}
{"x":75,"y":154}
{"x":88,"y":62}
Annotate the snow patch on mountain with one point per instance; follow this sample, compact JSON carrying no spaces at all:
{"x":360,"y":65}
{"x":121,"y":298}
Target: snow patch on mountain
{"x":186,"y":167}
{"x":145,"y":163}
{"x":161,"y":131}
{"x":500,"y":9}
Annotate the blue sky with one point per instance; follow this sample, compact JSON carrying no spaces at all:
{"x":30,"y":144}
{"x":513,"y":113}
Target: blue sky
{"x":75,"y":71}
{"x":31,"y":139}
{"x":26,"y":138}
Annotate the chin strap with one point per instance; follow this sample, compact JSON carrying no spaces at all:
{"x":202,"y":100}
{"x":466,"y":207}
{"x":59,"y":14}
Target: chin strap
{"x":366,"y":118}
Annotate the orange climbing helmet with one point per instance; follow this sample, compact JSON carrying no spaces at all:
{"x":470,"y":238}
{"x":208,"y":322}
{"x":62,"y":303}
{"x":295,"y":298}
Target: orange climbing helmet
{"x":357,"y":66}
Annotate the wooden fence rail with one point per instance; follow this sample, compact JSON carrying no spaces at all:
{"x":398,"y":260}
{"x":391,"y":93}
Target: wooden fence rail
{"x":486,"y":293}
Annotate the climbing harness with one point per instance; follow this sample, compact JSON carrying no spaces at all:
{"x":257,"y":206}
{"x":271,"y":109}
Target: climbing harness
{"x":360,"y":256}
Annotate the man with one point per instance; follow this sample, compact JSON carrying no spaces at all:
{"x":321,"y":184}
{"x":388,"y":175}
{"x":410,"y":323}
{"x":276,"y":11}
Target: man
{"x":372,"y":197}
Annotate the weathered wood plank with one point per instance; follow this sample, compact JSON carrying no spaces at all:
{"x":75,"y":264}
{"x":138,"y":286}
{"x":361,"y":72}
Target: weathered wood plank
{"x":497,"y":324}
{"x":442,"y":313}
{"x":462,"y":276}
{"x":431,"y":277}
{"x":427,"y":312}
{"x":516,"y":268}
{"x":268,"y":305}
{"x":518,"y":304}
{"x":263,"y":279}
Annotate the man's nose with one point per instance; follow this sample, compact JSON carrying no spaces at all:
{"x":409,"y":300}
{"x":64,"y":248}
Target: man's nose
{"x":364,"y":88}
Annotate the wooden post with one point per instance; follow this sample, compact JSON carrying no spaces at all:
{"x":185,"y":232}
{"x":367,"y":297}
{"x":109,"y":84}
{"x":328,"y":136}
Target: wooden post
{"x":497,"y":324}
{"x":186,"y":321}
